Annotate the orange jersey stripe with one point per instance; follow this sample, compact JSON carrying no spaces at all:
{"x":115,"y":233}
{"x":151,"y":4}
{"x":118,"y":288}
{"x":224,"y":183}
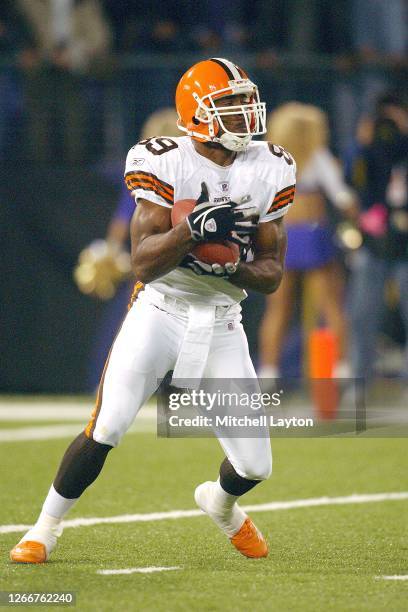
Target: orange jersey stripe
{"x":150,"y":187}
{"x":146,"y":180}
{"x":280,"y":205}
{"x":151,"y":181}
{"x":133,"y":184}
{"x":89,"y":429}
{"x":284,"y":190}
{"x":147,"y":176}
{"x":283,"y":196}
{"x":156,"y":178}
{"x":271,"y":210}
{"x":283,"y":200}
{"x":136,"y":290}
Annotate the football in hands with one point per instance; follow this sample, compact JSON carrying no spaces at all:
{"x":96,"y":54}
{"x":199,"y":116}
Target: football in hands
{"x":207,"y":252}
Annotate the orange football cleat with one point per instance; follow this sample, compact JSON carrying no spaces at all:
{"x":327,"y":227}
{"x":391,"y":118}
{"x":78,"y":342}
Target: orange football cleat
{"x":29,"y":552}
{"x":250,"y":541}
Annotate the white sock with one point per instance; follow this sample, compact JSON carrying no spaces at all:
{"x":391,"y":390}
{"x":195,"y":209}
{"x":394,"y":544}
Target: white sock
{"x":48,"y":526}
{"x":226,"y":512}
{"x":222,"y":500}
{"x":55,"y":506}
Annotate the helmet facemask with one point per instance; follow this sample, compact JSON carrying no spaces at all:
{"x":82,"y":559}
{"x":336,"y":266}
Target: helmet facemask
{"x":253,"y":114}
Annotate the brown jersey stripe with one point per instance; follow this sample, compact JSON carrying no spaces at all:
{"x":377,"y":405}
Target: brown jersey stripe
{"x":282,"y":200}
{"x":135,"y":183}
{"x":283,"y":197}
{"x":149,"y":175}
{"x":278,"y":208}
{"x":282,"y":191}
{"x":156,"y":178}
{"x":284,"y":203}
{"x":150,"y":179}
{"x":132,"y":185}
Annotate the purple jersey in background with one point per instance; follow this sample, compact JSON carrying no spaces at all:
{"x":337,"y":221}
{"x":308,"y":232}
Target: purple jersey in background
{"x":125,"y":207}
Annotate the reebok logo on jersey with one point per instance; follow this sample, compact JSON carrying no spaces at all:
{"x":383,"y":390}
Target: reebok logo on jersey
{"x":138,"y":161}
{"x":210,"y":225}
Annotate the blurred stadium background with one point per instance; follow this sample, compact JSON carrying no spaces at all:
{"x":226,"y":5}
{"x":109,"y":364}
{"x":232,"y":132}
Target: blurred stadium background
{"x":78,"y":81}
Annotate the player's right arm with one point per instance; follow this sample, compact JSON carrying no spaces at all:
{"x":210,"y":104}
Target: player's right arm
{"x":157,"y":248}
{"x":150,"y":175}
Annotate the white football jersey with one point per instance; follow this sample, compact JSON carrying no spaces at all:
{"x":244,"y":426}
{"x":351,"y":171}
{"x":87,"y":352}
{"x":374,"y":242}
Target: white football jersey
{"x":164,"y":170}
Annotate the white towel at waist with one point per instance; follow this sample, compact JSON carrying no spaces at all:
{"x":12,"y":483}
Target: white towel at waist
{"x":195,"y":346}
{"x":193,"y":355}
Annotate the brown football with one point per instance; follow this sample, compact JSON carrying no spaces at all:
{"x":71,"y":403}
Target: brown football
{"x":208,"y":252}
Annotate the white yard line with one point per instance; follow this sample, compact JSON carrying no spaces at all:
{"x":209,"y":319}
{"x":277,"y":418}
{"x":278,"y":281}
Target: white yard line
{"x":145,"y":421}
{"x":142,"y":423}
{"x":44,"y":412}
{"x":57,"y":412}
{"x":137,"y":570}
{"x":179,"y":514}
{"x":392,"y":577}
{"x":49,"y":432}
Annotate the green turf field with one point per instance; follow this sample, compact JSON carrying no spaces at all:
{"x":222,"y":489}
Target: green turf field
{"x":321,"y":558}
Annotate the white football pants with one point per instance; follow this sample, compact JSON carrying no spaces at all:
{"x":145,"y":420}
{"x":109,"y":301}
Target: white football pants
{"x":147,"y":347}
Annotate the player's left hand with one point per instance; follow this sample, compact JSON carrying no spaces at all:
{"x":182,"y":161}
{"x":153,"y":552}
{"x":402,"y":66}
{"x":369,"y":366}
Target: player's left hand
{"x":201,"y":268}
{"x":251,"y":219}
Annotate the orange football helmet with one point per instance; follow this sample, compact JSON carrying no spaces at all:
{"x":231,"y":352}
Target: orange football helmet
{"x":201,"y":119}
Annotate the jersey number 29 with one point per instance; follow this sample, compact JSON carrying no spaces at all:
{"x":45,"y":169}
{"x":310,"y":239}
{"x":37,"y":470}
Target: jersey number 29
{"x":158,"y":146}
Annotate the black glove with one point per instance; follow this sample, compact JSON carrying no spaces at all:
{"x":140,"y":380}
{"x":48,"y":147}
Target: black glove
{"x":215,"y":222}
{"x":200,"y":268}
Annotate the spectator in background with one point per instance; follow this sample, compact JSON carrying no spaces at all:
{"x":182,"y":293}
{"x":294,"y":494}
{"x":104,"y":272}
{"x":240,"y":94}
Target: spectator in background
{"x":379,"y":173}
{"x":379,"y":37}
{"x":290,"y":38}
{"x":303,"y":131}
{"x":303,"y":28}
{"x":179,"y":25}
{"x":218,"y":25}
{"x":148,"y":29}
{"x":146,"y":26}
{"x":71,"y":40}
{"x":380,"y":30}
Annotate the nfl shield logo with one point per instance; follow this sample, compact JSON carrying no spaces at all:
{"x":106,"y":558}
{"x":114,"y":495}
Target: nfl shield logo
{"x":224,"y":186}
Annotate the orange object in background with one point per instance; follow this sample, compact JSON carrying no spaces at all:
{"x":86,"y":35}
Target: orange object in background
{"x":323,"y":356}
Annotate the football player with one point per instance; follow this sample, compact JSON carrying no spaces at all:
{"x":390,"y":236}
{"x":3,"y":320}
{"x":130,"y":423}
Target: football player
{"x":185,"y":315}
